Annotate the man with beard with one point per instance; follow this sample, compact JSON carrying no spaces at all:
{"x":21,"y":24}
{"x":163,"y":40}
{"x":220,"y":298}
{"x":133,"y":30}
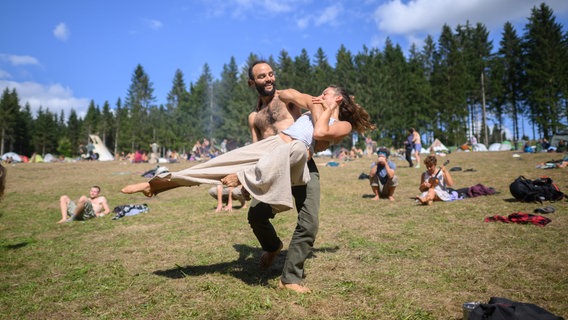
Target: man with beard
{"x":270,"y":117}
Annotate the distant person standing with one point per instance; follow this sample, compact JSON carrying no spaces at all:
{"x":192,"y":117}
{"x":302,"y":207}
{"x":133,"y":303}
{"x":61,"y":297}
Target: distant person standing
{"x":409,"y":147}
{"x":91,"y":151}
{"x":417,"y":146}
{"x":368,"y":146}
{"x":155,"y":149}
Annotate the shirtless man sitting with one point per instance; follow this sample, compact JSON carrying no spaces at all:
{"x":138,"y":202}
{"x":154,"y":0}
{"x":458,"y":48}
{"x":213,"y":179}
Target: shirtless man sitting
{"x":86,"y":208}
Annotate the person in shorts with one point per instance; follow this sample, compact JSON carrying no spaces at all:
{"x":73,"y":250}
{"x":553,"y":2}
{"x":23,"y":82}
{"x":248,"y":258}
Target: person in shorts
{"x":226,"y":195}
{"x":382,"y":178}
{"x":86,"y":208}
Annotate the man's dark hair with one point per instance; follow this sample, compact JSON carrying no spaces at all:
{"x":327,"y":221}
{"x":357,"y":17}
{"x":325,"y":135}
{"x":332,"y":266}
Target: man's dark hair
{"x":250,"y":74}
{"x":384,"y":151}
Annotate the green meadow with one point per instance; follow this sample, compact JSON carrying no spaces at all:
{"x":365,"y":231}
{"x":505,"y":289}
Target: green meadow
{"x":372,"y":259}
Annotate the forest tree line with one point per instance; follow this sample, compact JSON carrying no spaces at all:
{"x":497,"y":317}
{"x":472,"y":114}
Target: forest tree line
{"x":447,"y":88}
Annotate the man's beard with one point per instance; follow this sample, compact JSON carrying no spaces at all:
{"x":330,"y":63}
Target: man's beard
{"x":264,"y":93}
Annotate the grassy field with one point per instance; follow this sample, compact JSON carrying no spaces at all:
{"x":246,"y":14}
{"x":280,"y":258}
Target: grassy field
{"x":372,"y":260}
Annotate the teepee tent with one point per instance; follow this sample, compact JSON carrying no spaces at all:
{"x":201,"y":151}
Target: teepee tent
{"x":436,"y":146}
{"x":100,"y":148}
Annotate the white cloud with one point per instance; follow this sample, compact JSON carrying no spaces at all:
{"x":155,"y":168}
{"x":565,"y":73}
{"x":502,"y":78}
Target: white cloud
{"x":5,"y":74}
{"x":243,"y":8}
{"x":18,"y":60}
{"x":154,"y":24}
{"x":428,"y":16}
{"x":54,"y":97}
{"x":276,"y":6}
{"x":329,"y":15}
{"x":61,"y":32}
{"x":303,"y":23}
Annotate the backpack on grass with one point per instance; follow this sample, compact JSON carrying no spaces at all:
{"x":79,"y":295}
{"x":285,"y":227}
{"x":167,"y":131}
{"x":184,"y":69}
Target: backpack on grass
{"x":505,"y":309}
{"x":539,"y":190}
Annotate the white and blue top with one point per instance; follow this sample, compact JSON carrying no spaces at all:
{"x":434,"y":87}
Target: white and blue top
{"x":303,"y":129}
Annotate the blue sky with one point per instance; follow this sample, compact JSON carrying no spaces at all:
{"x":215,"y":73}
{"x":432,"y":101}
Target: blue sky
{"x":62,"y":54}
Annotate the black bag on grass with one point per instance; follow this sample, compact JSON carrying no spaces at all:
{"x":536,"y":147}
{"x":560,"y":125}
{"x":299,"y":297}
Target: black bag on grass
{"x":504,"y":309}
{"x":539,"y":190}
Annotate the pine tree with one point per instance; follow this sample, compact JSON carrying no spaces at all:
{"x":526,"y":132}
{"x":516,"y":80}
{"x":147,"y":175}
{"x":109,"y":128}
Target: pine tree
{"x":178,"y":113}
{"x":508,"y":65}
{"x":74,"y":131}
{"x":8,"y":113}
{"x":138,"y":102}
{"x":545,"y":50}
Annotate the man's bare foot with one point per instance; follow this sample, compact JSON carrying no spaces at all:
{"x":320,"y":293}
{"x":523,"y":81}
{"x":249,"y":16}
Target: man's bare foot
{"x":391,"y":198}
{"x":231,"y":180}
{"x":143,"y":187}
{"x":293,"y":287}
{"x":62,"y":221}
{"x":375,"y":198}
{"x":267,"y":258}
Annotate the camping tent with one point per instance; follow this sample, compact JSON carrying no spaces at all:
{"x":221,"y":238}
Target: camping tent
{"x":36,"y":158}
{"x":479,"y":147}
{"x":48,"y":157}
{"x":100,"y":148}
{"x":437,"y":146}
{"x":15,"y":157}
{"x":557,"y":137}
{"x":500,"y":147}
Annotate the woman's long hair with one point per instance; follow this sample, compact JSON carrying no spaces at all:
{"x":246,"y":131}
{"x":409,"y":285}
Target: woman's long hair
{"x":352,"y":112}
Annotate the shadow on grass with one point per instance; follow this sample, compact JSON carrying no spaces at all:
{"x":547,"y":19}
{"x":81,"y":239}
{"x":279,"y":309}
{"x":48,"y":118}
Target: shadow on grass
{"x":245,"y":268}
{"x":16,"y":245}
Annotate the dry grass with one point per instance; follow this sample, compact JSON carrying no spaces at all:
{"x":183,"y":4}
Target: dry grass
{"x":373,"y":260}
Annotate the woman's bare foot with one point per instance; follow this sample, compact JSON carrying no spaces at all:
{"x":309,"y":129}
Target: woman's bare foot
{"x":143,"y":187}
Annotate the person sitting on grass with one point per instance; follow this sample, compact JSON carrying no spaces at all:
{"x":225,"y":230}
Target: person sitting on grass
{"x":86,"y":208}
{"x":382,"y":178}
{"x":434,"y":183}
